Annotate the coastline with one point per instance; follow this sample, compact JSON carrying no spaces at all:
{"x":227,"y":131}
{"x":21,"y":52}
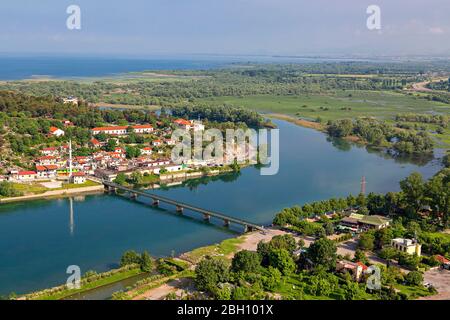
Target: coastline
{"x":55,"y":194}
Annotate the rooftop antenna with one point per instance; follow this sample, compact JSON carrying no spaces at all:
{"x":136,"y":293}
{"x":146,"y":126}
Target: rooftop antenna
{"x":363,"y":185}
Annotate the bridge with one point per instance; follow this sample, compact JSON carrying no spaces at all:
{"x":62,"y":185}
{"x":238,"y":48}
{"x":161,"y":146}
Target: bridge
{"x":180,"y":206}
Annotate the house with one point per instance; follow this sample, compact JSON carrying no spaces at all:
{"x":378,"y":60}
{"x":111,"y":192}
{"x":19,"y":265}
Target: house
{"x":67,"y":123}
{"x":56,"y":132}
{"x":359,"y":222}
{"x":46,"y":172}
{"x":51,"y":151}
{"x":123,"y":130}
{"x":349,"y":224}
{"x":144,"y":128}
{"x":78,"y":178}
{"x":355,"y":269}
{"x":374,"y":222}
{"x":146,"y":151}
{"x":407,"y":245}
{"x":71,"y":100}
{"x":94,"y":143}
{"x":445,"y":263}
{"x":170,"y":142}
{"x":156,"y":143}
{"x":46,"y":160}
{"x":26,"y":175}
{"x":183,"y":124}
{"x":198,"y":126}
{"x":119,"y":150}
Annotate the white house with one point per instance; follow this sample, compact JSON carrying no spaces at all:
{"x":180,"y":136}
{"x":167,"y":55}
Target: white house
{"x":56,"y":132}
{"x":123,"y":130}
{"x":146,"y":151}
{"x":78,"y":178}
{"x":26,"y":176}
{"x":71,"y":100}
{"x":407,"y":245}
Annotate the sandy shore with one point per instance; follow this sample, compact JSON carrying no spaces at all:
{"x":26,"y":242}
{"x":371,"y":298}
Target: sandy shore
{"x":54,"y":194}
{"x":300,"y":122}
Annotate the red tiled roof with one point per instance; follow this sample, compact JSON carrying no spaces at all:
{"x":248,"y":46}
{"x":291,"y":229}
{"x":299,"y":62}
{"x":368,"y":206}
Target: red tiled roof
{"x":26,"y":173}
{"x":95,"y":141}
{"x":142,"y":126}
{"x":49,"y":149}
{"x":78,"y":174}
{"x":53,"y":129}
{"x":441,"y":259}
{"x":182,"y":122}
{"x":40,"y":168}
{"x":364,"y":267}
{"x":46,"y":158}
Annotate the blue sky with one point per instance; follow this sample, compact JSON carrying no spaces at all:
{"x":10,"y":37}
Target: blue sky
{"x":285,"y":27}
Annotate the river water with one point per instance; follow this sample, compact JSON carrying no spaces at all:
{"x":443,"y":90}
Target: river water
{"x":40,"y":239}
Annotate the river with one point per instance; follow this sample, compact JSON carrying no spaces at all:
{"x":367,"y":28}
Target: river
{"x":40,"y":239}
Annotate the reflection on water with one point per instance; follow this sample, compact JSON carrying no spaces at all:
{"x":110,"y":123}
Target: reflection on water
{"x":39,"y":239}
{"x":416,"y":159}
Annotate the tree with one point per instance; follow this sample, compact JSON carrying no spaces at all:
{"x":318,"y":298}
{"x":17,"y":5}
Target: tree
{"x":285,"y":241}
{"x":282,"y":260}
{"x":146,"y":262}
{"x":360,"y":256}
{"x":272,"y":279}
{"x":111,"y":145}
{"x":383,"y":237}
{"x":366,"y":241}
{"x":130,"y":257}
{"x":209,"y":273}
{"x":121,"y":179}
{"x":7,"y":189}
{"x":246,"y":261}
{"x":323,"y":253}
{"x":414,"y":278}
{"x":388,"y":253}
{"x":438,"y":194}
{"x":329,"y":228}
{"x":413,"y":189}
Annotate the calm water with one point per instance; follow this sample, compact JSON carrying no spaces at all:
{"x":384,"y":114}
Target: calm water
{"x":16,"y":68}
{"x":26,"y":67}
{"x":37,"y":241}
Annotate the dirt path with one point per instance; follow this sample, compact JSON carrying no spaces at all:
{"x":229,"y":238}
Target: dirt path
{"x":422,"y":86}
{"x":177,"y":286}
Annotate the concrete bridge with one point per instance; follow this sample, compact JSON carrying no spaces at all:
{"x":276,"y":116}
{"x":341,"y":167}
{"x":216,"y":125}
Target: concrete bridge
{"x":180,"y":206}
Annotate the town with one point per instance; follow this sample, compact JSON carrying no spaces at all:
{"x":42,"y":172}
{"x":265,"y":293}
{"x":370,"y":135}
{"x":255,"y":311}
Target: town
{"x":141,"y":151}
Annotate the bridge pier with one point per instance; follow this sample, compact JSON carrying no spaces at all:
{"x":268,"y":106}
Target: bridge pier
{"x":180,"y":206}
{"x":110,"y":189}
{"x":133,"y":196}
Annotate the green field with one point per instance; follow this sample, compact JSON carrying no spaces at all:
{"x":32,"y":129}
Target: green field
{"x":338,"y":105}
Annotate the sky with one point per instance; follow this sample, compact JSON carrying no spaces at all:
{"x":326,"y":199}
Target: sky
{"x":248,"y":27}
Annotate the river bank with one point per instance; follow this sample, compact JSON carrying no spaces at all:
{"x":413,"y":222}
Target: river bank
{"x":52,"y":194}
